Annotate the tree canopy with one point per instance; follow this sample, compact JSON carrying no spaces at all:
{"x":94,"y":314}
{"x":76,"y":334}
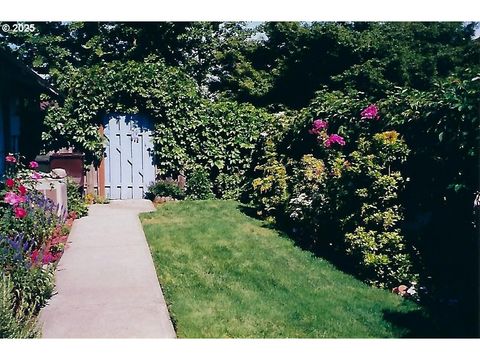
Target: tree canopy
{"x":282,"y":68}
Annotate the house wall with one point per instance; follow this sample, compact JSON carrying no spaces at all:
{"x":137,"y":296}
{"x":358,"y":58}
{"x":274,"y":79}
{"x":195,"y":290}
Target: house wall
{"x":10,"y":127}
{"x":14,"y":126}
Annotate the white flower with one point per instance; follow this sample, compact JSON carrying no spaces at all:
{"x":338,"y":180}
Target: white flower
{"x":411,"y":291}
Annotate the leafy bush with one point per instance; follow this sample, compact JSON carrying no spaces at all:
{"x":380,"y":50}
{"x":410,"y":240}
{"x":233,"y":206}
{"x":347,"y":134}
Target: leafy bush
{"x":17,"y":320}
{"x":229,"y":186}
{"x":165,"y":188}
{"x":426,"y":196}
{"x":199,"y":186}
{"x":270,"y":190}
{"x":75,"y":201}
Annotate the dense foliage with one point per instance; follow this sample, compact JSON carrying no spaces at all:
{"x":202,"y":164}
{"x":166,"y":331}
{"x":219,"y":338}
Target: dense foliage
{"x":207,"y":51}
{"x":16,"y":321}
{"x":189,"y":130}
{"x":295,"y":59}
{"x":275,"y":63}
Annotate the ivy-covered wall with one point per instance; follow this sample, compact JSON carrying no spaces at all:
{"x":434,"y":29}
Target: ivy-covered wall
{"x":190,"y":130}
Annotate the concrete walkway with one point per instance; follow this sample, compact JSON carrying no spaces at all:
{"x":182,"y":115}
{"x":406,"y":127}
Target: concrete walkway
{"x":106,"y":282}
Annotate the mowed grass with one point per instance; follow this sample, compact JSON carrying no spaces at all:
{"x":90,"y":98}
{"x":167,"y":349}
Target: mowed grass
{"x":226,"y":275}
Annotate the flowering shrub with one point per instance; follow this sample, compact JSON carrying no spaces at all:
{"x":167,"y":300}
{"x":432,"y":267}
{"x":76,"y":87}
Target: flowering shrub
{"x":32,"y":237}
{"x":373,"y":236}
{"x":342,"y":197}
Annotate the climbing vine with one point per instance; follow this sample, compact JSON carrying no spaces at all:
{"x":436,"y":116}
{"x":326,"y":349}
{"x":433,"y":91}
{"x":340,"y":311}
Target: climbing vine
{"x":189,"y":129}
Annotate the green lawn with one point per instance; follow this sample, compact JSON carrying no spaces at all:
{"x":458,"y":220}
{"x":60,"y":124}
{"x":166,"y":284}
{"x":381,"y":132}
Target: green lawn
{"x":224,"y":274}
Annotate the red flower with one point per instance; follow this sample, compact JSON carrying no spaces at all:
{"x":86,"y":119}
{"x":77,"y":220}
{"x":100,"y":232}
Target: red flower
{"x":33,"y":165}
{"x":10,"y":183}
{"x":22,"y":190}
{"x":20,"y":213}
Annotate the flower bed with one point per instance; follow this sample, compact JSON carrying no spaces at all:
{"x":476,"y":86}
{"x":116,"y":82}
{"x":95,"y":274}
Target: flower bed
{"x":32,"y":240}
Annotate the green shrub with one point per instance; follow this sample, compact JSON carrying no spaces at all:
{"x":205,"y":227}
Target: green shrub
{"x":269,"y":188}
{"x":228,"y":187}
{"x":199,"y":186}
{"x":17,"y":320}
{"x":270,"y":191}
{"x":164,"y":188}
{"x":75,"y":201}
{"x":380,"y":256}
{"x":33,"y":285}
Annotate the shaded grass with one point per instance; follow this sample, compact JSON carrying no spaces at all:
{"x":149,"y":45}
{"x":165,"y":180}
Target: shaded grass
{"x":226,"y":275}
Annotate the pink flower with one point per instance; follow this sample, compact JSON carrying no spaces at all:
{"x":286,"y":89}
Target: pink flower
{"x":370,"y":112}
{"x":36,"y":175}
{"x":48,"y":258}
{"x":34,"y":256}
{"x":20,"y":213}
{"x":10,"y":183}
{"x":13,"y":199}
{"x":10,"y":158}
{"x":33,"y":165}
{"x":317,"y":126}
{"x":334,"y":139}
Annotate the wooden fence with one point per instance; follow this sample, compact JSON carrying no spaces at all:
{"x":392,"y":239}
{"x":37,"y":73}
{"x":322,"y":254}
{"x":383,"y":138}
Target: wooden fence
{"x":91,"y":181}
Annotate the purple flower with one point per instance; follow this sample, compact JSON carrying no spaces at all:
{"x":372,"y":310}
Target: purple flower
{"x":334,"y":139}
{"x":370,"y":112}
{"x":317,"y":126}
{"x":33,"y":165}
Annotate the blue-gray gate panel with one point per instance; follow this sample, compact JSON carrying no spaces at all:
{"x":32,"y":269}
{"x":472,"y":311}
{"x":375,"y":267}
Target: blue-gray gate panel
{"x":129,"y":166}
